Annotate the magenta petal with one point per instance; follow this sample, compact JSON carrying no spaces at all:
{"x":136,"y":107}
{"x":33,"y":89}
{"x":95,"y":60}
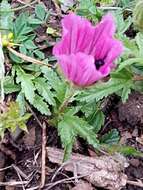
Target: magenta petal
{"x":75,"y":30}
{"x":103,"y":32}
{"x":80,"y":69}
{"x":83,"y":44}
{"x":113,"y":54}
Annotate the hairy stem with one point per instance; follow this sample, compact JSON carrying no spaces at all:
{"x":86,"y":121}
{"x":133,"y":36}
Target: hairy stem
{"x":67,"y":99}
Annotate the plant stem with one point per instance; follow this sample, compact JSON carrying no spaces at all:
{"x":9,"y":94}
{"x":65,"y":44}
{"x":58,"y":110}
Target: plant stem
{"x":67,"y":99}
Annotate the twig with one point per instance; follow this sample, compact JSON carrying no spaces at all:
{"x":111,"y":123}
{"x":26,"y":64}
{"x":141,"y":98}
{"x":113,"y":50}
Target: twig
{"x":13,"y":183}
{"x":19,"y":8}
{"x":58,"y":170}
{"x":138,"y":183}
{"x":18,"y":170}
{"x":62,"y":181}
{"x":33,"y":188}
{"x":2,"y":169}
{"x":27,"y":58}
{"x":58,"y":10}
{"x":51,"y":185}
{"x":22,"y":2}
{"x":43,"y":170}
{"x":35,"y":116}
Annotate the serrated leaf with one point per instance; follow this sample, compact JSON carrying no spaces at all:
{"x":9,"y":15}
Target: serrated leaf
{"x":40,"y":105}
{"x":9,"y":86}
{"x":44,"y":90}
{"x":112,"y":137}
{"x":26,"y":84}
{"x":20,"y":27}
{"x":40,"y":11}
{"x":129,"y":62}
{"x":29,"y":44}
{"x":125,"y":93}
{"x":11,"y":118}
{"x":97,"y":121}
{"x":93,"y":114}
{"x":6,"y":16}
{"x":54,"y":81}
{"x":67,"y":135}
{"x":102,"y":90}
{"x":123,"y":149}
{"x":85,"y":131}
{"x":124,"y":74}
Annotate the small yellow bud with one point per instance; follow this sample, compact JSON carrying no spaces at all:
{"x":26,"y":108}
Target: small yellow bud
{"x":4,"y":37}
{"x":5,"y":43}
{"x":10,"y":36}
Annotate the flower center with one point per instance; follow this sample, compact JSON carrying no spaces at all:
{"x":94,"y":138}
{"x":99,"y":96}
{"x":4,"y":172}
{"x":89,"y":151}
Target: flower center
{"x":98,"y":63}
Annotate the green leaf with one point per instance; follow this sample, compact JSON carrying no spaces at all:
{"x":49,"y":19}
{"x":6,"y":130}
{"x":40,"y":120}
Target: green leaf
{"x":44,"y":90}
{"x":29,"y":44}
{"x":118,"y":81}
{"x":22,"y":103}
{"x":67,"y":135}
{"x":102,"y":90}
{"x":20,"y":26}
{"x":34,"y":21}
{"x":139,"y":41}
{"x":6,"y":16}
{"x":71,"y":126}
{"x":55,"y":82}
{"x":9,"y":86}
{"x":11,"y":119}
{"x":125,"y":93}
{"x":129,"y":62}
{"x":85,"y":131}
{"x":40,"y":105}
{"x":39,"y":54}
{"x":93,"y":114}
{"x":97,"y":120}
{"x":26,"y":83}
{"x":121,"y":23}
{"x":15,"y":58}
{"x":126,"y":150}
{"x":112,"y":137}
{"x":40,"y":11}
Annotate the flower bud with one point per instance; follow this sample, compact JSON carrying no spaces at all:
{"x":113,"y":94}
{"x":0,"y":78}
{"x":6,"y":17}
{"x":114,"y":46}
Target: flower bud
{"x":10,"y":36}
{"x":5,"y":42}
{"x":138,"y":15}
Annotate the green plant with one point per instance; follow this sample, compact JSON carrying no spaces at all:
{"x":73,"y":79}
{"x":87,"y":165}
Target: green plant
{"x":73,"y":111}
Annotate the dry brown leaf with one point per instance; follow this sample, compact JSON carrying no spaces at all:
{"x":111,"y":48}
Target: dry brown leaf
{"x":103,"y":171}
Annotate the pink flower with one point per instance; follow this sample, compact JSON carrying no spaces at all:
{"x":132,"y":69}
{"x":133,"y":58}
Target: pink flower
{"x":86,"y":53}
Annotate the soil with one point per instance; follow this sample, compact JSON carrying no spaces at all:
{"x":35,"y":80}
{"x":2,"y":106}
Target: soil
{"x":23,"y":154}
